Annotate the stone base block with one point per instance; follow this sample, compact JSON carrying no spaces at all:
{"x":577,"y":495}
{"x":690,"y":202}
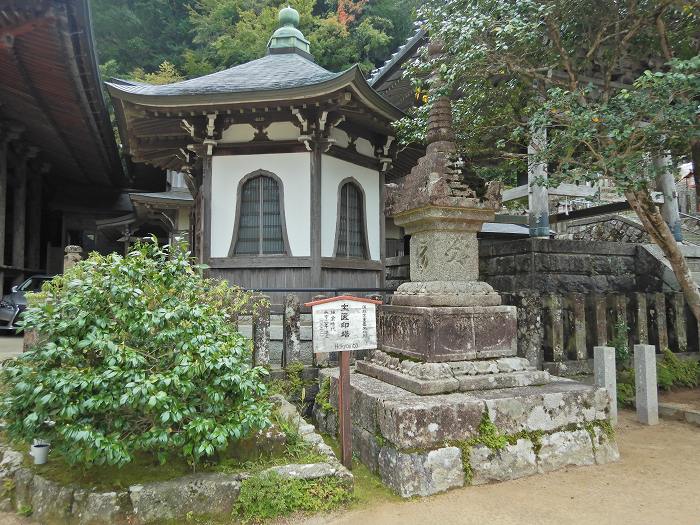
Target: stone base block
{"x":442,"y":334}
{"x":442,"y":378}
{"x":422,"y":445}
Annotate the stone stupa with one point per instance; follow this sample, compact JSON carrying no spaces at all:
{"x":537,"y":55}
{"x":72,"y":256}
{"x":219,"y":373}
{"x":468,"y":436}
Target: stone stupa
{"x":446,"y":379}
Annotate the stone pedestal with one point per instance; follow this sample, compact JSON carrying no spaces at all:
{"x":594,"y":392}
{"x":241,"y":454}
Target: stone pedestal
{"x":422,"y":445}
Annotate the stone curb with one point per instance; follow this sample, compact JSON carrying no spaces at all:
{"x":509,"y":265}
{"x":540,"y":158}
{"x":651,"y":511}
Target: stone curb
{"x":209,"y":493}
{"x":680,"y":412}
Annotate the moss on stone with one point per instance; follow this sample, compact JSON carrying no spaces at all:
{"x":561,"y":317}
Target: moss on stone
{"x":323,"y":397}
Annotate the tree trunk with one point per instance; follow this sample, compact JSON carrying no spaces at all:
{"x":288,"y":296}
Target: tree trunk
{"x":695,"y":151}
{"x":661,"y":234}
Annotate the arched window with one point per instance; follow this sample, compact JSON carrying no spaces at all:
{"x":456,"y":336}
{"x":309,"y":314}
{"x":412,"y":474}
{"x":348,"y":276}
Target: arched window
{"x":260,"y":221}
{"x":351,"y":237}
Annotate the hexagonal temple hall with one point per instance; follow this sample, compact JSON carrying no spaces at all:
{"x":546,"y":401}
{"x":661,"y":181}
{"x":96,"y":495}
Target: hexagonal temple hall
{"x":445,"y":401}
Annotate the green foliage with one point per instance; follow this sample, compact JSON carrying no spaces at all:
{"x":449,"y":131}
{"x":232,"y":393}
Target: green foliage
{"x":489,"y":435}
{"x":515,"y":67}
{"x":138,"y":354}
{"x":625,"y":394}
{"x":675,"y":372}
{"x":269,"y":495}
{"x":323,"y":397}
{"x":167,"y":74}
{"x":197,"y":37}
{"x":621,"y":344}
{"x":25,"y":510}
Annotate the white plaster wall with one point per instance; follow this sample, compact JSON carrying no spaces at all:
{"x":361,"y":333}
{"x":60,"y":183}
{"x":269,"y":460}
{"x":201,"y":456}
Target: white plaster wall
{"x":334,"y":171}
{"x":238,"y":133}
{"x":293,"y":169}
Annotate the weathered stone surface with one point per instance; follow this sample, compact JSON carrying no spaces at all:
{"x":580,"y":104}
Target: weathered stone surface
{"x":562,"y":449}
{"x":447,"y":383}
{"x":366,"y":448}
{"x":24,"y":478}
{"x":505,"y":380}
{"x":421,"y":474}
{"x":604,"y":449}
{"x":511,"y":462}
{"x":445,"y":293}
{"x":50,"y":501}
{"x":646,"y":395}
{"x":448,"y":334}
{"x":11,"y":461}
{"x":199,"y":494}
{"x":308,"y":471}
{"x":100,"y":508}
{"x":411,"y":421}
{"x":548,"y":407}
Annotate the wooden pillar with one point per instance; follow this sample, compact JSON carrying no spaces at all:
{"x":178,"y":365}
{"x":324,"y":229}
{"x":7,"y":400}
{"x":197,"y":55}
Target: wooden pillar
{"x":679,"y":330}
{"x":34,"y":222}
{"x":666,"y":183}
{"x":316,"y":228}
{"x":601,"y":320}
{"x":291,"y":331}
{"x":641,"y":332}
{"x":538,"y":196}
{"x":578,"y":303}
{"x":661,"y":326}
{"x":3,"y":204}
{"x":556,"y":324}
{"x":261,"y":331}
{"x":205,"y":247}
{"x":19,"y":221}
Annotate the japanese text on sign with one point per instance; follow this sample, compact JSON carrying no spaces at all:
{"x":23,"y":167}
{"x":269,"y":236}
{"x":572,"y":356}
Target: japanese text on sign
{"x":344,"y":326}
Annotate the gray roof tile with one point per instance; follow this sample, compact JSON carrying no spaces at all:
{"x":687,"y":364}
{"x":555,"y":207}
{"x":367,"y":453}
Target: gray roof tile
{"x":275,"y":71}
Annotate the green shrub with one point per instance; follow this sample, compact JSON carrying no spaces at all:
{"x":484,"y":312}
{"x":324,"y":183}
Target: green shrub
{"x":269,"y":495}
{"x":621,"y":344}
{"x":672,"y":371}
{"x":136,"y":354}
{"x":625,"y":395}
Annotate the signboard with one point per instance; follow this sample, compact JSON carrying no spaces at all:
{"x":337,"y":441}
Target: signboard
{"x":344,"y":324}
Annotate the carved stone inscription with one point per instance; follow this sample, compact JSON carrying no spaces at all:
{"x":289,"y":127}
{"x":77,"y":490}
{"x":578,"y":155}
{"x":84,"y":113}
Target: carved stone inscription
{"x":444,"y":256}
{"x":448,"y":334}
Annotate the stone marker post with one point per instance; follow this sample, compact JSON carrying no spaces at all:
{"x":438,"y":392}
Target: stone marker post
{"x":605,"y":375}
{"x":261,"y":331}
{"x":291,"y":326}
{"x":74,"y":254}
{"x":646,"y":387}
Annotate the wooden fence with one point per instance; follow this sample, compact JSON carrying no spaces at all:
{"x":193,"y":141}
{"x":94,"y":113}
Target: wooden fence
{"x":556,"y":332}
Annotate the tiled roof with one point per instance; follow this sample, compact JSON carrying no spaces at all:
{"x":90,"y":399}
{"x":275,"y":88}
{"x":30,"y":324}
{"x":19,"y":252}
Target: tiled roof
{"x":272,"y":72}
{"x":398,"y":58}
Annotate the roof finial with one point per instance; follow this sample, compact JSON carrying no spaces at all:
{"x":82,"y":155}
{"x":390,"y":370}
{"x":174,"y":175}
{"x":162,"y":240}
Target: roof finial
{"x":288,"y":37}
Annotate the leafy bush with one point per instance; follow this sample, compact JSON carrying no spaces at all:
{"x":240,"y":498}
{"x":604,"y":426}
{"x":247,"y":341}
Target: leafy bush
{"x":672,"y":372}
{"x":136,"y":354}
{"x":270,"y":495}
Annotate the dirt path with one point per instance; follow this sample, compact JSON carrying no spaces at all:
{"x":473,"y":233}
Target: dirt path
{"x":656,"y":483}
{"x":690,"y":397}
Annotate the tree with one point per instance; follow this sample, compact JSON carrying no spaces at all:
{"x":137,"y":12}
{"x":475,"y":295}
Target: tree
{"x":551,"y":64}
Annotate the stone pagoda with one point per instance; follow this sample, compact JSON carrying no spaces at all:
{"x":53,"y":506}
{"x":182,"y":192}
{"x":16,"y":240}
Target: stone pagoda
{"x":446,"y":381}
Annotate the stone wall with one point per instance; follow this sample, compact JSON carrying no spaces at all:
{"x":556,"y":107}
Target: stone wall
{"x":606,"y":228}
{"x":24,"y":489}
{"x":558,"y":266}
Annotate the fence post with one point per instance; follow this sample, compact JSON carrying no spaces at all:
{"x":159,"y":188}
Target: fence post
{"x":601,"y":320}
{"x":261,"y":331}
{"x":291,"y":330}
{"x":556,"y":324}
{"x":641,"y":330}
{"x":605,"y":375}
{"x":319,"y":360}
{"x":646,"y":397}
{"x":679,"y":331}
{"x":661,"y":326}
{"x":578,"y":302}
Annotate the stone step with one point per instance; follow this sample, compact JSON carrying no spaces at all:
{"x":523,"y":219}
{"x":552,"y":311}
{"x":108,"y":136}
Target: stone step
{"x":459,"y":383}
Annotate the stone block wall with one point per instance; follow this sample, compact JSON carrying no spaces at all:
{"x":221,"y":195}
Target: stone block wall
{"x":558,"y":266}
{"x":607,"y":228}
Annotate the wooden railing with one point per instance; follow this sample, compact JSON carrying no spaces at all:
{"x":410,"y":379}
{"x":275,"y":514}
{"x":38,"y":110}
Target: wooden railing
{"x":558,"y":332}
